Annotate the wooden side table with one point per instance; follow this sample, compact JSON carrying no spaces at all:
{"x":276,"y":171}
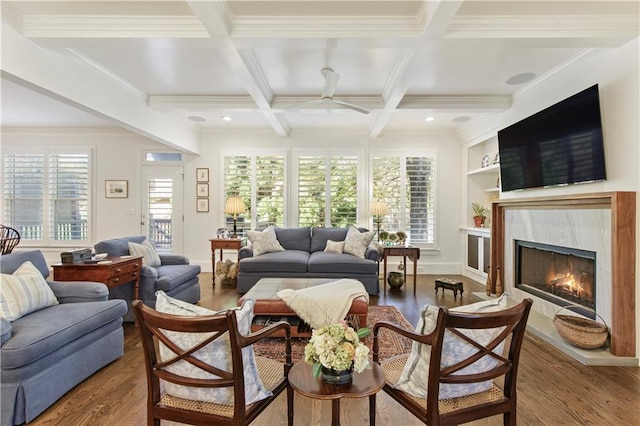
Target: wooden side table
{"x":222,"y":244}
{"x":120,"y":271}
{"x":367,"y":383}
{"x":413,"y":253}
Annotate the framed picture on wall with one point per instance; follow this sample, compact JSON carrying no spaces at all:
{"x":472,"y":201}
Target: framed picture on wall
{"x":202,"y":205}
{"x":202,"y":190}
{"x":116,"y":188}
{"x":202,"y":175}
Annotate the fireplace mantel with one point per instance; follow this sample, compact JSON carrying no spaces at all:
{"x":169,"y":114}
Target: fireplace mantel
{"x":623,"y":253}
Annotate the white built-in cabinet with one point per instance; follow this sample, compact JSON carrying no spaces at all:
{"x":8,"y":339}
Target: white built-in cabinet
{"x":482,"y":183}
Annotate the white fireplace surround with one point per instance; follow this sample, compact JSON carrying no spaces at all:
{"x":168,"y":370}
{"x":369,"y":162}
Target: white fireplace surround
{"x":584,"y":229}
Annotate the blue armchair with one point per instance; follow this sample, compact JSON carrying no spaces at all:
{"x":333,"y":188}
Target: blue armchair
{"x":175,"y":276}
{"x":46,"y":353}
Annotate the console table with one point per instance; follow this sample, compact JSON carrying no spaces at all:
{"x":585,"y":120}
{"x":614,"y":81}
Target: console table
{"x":113,"y":272}
{"x":413,"y":253}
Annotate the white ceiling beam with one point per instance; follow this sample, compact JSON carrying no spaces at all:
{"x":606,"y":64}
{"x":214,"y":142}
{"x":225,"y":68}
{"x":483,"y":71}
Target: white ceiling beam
{"x":216,"y":20}
{"x":479,"y":103}
{"x":66,"y":78}
{"x":543,"y":26}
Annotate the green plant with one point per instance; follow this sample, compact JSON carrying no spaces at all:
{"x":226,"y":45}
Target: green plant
{"x":479,"y":210}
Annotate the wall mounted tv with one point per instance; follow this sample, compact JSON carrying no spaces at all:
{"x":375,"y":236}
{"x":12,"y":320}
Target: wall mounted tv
{"x":559,"y":145}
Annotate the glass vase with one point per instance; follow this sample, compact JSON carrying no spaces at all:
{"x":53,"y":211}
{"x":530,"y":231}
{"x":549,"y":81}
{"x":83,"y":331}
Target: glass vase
{"x":335,"y":377}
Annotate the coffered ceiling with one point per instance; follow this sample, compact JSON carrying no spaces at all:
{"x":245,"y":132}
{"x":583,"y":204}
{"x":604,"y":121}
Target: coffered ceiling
{"x":255,"y":61}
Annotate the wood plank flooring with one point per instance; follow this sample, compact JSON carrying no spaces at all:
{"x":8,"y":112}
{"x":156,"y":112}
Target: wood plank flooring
{"x":553,"y":388}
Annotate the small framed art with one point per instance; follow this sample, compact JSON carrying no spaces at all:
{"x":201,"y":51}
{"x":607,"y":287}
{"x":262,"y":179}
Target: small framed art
{"x":202,"y":205}
{"x":116,"y":188}
{"x":202,"y":175}
{"x":202,"y":189}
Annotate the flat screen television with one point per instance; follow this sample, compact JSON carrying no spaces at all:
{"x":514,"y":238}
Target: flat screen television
{"x":560,"y":145}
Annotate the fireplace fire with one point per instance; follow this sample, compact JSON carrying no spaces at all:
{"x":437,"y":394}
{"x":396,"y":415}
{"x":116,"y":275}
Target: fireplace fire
{"x":560,"y":275}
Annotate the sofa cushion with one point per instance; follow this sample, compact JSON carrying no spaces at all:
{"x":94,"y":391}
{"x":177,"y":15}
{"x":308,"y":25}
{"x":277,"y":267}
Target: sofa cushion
{"x":118,"y":246}
{"x":264,"y":241}
{"x":320,"y":236}
{"x":414,"y":377}
{"x":335,"y":247}
{"x":295,"y":238}
{"x":23,"y":292}
{"x":284,"y":261}
{"x":12,"y":261}
{"x":356,"y":242}
{"x":216,"y":353}
{"x":172,"y":276}
{"x":321,"y":262}
{"x":148,"y":252}
{"x":42,"y":332}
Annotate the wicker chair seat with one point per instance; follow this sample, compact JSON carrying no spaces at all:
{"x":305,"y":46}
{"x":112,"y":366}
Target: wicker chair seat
{"x":393,"y":369}
{"x":271,"y":374}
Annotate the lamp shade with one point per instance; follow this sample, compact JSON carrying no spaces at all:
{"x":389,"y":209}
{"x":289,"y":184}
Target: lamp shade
{"x":379,"y":208}
{"x":234,"y":205}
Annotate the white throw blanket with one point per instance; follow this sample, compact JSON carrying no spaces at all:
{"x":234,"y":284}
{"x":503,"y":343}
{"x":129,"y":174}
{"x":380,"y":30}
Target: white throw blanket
{"x":324,"y":304}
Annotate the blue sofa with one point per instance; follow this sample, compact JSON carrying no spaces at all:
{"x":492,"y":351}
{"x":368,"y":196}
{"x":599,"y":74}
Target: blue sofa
{"x":46,"y":353}
{"x":304,"y":257}
{"x":176,"y":277}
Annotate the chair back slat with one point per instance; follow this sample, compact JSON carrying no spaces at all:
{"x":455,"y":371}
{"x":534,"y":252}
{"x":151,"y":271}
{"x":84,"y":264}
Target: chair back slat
{"x":9,"y":239}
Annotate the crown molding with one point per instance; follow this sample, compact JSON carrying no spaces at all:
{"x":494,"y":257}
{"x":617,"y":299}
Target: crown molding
{"x":112,"y":26}
{"x":327,"y":27}
{"x":479,"y":129}
{"x":481,"y":103}
{"x":543,"y":26}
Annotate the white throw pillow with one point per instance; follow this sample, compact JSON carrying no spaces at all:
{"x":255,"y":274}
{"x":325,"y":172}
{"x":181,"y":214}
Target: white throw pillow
{"x":217,"y":353}
{"x":336,"y":247}
{"x":265,"y":241}
{"x":23,"y":292}
{"x":148,"y":252}
{"x":415,"y":373}
{"x":356,"y":242}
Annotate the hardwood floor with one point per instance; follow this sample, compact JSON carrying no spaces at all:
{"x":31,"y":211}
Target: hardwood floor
{"x":553,"y":388}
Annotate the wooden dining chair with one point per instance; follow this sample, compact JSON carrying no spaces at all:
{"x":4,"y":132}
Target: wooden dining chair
{"x":9,"y":239}
{"x":160,"y":330}
{"x":507,"y":328}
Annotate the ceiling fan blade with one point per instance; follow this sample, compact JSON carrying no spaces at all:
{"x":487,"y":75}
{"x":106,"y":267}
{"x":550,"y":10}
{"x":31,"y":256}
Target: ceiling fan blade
{"x":354,"y":107}
{"x":304,"y":104}
{"x":331,"y":79}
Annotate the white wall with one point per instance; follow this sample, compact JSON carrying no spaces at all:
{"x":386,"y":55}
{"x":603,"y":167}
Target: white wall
{"x":616,"y":71}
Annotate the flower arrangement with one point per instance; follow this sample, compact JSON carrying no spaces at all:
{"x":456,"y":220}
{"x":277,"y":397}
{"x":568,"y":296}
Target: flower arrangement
{"x":402,"y":236}
{"x":337,"y":347}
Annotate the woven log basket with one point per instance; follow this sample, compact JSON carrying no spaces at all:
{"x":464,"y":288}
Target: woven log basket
{"x":581,"y":332}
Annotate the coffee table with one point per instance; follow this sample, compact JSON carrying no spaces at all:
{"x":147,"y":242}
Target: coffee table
{"x":269,"y":306}
{"x":367,"y":383}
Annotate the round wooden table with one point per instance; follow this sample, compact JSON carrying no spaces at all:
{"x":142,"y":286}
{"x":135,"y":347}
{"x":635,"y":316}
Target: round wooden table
{"x":367,"y":383}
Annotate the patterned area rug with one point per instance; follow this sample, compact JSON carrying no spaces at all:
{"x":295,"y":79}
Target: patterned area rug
{"x":391,"y":344}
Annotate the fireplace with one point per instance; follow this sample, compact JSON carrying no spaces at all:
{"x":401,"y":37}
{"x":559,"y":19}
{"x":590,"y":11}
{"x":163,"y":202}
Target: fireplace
{"x":561,"y":275}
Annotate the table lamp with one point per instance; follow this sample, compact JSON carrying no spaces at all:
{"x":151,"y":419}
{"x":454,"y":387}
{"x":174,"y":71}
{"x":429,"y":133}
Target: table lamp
{"x":234,"y":206}
{"x":379,"y":209}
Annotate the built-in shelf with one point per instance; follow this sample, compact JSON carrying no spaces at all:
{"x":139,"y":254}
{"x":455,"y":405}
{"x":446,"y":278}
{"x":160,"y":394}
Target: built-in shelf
{"x":486,"y":230}
{"x":492,"y":190}
{"x":489,"y":169}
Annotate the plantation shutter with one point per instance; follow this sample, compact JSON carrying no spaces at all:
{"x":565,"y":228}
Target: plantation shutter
{"x":68,"y":196}
{"x":312,"y":191}
{"x":344,"y":191}
{"x":23,"y":192}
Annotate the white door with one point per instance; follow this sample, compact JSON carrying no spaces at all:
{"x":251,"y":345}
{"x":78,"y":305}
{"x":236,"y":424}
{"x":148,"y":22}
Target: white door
{"x":162,"y":207}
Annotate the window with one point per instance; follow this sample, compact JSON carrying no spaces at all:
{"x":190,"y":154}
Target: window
{"x":46,"y":195}
{"x":408,"y":184}
{"x":327,"y":190}
{"x":260,"y":181}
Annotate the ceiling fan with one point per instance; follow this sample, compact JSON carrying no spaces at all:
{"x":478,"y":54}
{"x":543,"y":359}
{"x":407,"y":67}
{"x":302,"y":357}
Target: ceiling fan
{"x":330,"y":82}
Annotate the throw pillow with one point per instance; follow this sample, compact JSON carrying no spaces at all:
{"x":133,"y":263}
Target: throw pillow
{"x":148,"y":252}
{"x":356,"y":242}
{"x":336,"y":247}
{"x":217,"y":353}
{"x":23,"y":292}
{"x":265,"y":241}
{"x":415,"y":373}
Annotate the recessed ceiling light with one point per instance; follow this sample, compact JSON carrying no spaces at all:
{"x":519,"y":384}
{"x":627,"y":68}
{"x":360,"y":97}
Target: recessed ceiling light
{"x":462,"y":119}
{"x":226,"y":118}
{"x":521,"y":78}
{"x":196,"y":118}
{"x":429,"y":119}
